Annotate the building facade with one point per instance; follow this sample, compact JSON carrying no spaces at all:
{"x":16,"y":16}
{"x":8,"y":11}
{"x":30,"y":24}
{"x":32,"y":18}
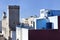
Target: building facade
{"x":13,"y":20}
{"x":47,"y":19}
{"x":29,"y":21}
{"x":21,"y":33}
{"x":5,"y":26}
{"x":13,"y":16}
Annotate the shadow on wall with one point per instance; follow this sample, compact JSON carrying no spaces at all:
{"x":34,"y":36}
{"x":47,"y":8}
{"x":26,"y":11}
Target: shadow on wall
{"x":10,"y":38}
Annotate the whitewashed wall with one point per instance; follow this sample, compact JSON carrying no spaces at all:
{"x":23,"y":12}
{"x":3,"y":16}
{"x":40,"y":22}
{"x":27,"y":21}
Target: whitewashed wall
{"x":5,"y":28}
{"x":24,"y":34}
{"x":21,"y":33}
{"x":54,"y":20}
{"x":18,"y":33}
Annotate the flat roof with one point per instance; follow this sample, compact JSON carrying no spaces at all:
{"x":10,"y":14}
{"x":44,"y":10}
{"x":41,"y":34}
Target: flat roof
{"x":13,"y":7}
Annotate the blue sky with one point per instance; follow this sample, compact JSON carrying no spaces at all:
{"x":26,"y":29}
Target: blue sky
{"x":29,"y":7}
{"x":4,"y":4}
{"x":32,"y":7}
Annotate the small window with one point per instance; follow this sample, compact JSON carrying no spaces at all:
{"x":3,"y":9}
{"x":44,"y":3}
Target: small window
{"x":13,"y":22}
{"x":31,"y":22}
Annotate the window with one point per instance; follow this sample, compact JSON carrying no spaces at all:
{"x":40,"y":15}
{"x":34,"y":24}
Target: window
{"x":31,"y":22}
{"x":13,"y":22}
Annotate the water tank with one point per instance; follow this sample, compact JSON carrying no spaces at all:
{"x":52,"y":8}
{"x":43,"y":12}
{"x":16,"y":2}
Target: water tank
{"x":49,"y":25}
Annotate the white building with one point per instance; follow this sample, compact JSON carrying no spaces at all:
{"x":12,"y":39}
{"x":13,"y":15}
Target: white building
{"x":44,"y":19}
{"x":5,"y":26}
{"x":29,"y":21}
{"x":54,"y":20}
{"x":44,"y":13}
{"x":21,"y":33}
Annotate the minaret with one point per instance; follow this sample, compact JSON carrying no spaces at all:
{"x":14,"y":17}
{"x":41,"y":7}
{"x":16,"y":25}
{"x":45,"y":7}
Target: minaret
{"x":4,"y":15}
{"x":5,"y":28}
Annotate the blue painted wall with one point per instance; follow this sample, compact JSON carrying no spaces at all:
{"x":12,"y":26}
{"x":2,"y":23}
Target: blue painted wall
{"x":41,"y":23}
{"x":54,"y":13}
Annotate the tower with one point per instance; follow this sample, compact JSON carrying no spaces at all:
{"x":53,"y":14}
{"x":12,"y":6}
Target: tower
{"x":13,"y":20}
{"x":10,"y":21}
{"x":13,"y":17}
{"x":5,"y":27}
